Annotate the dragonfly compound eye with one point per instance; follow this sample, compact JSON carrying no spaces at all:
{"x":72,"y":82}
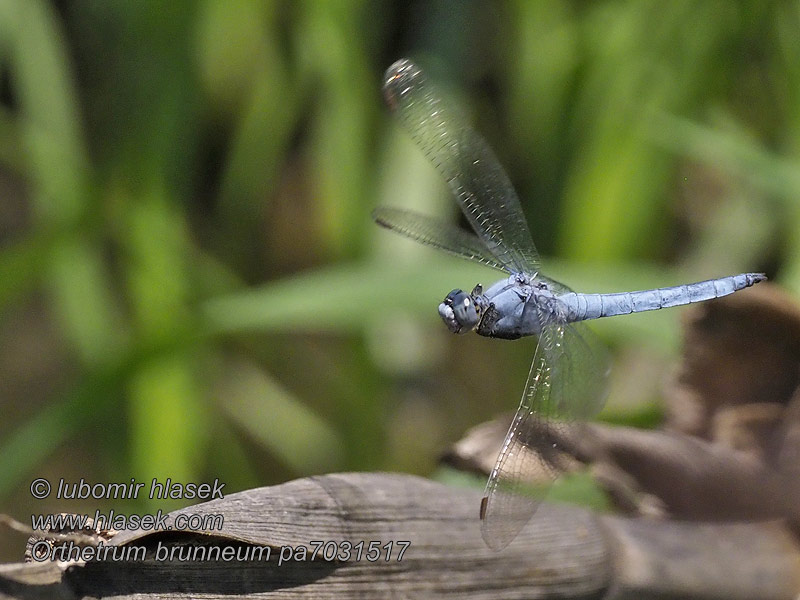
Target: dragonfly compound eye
{"x":459,"y":312}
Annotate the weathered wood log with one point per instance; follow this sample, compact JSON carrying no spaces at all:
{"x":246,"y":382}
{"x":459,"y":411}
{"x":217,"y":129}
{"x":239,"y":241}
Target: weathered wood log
{"x":564,"y":552}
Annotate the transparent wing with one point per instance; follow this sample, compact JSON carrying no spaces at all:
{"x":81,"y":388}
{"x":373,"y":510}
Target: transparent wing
{"x":567,"y":384}
{"x":438,"y":234}
{"x":507,"y":505}
{"x":579,"y":367}
{"x":482,"y":188}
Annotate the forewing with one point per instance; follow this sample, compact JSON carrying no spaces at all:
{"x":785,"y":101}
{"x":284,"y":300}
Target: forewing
{"x":438,"y":234}
{"x":482,"y":188}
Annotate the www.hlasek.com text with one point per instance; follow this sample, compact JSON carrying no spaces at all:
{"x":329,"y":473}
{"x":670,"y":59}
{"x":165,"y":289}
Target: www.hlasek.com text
{"x":121,"y":522}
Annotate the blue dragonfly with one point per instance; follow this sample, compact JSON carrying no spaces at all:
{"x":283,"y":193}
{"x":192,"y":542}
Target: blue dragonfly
{"x":567,"y":383}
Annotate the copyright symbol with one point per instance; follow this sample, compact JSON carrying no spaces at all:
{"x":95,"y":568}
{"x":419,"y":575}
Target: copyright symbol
{"x":40,"y":488}
{"x":41,"y":551}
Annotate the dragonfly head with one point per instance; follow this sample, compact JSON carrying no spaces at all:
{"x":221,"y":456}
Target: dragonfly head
{"x":460,"y":311}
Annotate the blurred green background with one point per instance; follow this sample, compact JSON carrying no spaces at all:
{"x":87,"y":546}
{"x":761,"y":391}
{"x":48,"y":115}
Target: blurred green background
{"x":190,"y":282}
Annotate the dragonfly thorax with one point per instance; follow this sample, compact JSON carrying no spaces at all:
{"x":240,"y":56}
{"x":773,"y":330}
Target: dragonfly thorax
{"x":517,"y":307}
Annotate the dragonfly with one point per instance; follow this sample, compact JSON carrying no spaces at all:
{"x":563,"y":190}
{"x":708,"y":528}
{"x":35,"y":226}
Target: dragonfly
{"x":567,"y":382}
